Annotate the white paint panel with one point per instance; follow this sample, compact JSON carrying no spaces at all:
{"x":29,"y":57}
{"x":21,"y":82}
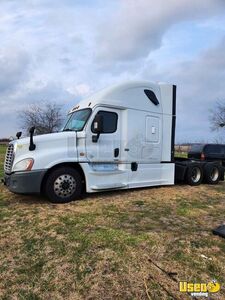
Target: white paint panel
{"x":152,"y":175}
{"x":152,"y":129}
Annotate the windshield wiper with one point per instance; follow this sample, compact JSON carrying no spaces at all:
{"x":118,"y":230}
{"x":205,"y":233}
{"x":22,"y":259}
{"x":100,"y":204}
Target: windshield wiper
{"x":67,"y":129}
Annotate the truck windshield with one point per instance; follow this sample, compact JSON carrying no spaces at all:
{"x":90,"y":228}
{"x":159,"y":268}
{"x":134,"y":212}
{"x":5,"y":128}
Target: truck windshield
{"x":77,"y":120}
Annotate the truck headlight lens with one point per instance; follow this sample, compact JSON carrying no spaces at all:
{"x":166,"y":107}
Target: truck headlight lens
{"x":24,"y":165}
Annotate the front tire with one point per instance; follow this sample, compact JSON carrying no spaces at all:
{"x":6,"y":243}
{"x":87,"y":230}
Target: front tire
{"x":63,"y":185}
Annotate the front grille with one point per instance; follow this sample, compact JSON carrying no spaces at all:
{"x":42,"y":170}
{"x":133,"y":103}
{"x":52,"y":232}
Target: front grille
{"x":9,"y":158}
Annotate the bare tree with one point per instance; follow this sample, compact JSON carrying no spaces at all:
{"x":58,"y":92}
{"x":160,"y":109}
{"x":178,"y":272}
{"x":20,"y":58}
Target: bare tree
{"x":46,"y":117}
{"x":218,"y":140}
{"x":217,"y":116}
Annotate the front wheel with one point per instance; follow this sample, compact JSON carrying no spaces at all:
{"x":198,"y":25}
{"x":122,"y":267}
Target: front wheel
{"x":63,"y":185}
{"x":194,"y":175}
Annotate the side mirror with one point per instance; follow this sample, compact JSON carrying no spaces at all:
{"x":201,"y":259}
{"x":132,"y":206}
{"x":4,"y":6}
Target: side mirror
{"x":18,"y":134}
{"x":98,"y":124}
{"x":97,"y":127}
{"x":32,"y":146}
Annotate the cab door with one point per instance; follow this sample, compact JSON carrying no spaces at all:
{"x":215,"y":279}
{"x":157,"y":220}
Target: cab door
{"x":107,"y":147}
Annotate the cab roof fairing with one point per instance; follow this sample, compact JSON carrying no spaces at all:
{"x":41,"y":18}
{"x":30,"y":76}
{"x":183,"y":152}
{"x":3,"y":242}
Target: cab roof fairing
{"x":125,"y":95}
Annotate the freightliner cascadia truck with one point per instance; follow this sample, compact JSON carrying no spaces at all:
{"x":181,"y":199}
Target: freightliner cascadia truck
{"x":120,"y":138}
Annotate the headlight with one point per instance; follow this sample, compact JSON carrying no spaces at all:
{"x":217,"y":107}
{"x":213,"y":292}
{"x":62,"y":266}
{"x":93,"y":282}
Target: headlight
{"x":24,"y":165}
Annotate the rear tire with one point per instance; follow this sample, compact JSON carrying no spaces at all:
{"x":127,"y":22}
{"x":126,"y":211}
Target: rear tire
{"x":194,"y":175}
{"x":63,"y":185}
{"x":212,"y":173}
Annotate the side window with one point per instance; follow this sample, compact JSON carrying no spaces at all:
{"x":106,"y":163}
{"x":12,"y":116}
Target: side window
{"x":208,"y":149}
{"x":219,"y":149}
{"x":213,"y":149}
{"x":110,"y":120}
{"x":151,"y":96}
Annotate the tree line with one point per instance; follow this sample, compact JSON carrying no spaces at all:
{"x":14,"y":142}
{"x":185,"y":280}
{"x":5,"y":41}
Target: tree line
{"x":47,"y":117}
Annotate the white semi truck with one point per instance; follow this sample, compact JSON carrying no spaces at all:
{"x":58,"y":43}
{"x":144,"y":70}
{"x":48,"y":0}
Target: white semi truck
{"x":120,"y":138}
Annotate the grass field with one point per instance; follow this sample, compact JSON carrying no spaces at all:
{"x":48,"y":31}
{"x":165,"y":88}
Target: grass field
{"x":181,"y":154}
{"x":2,"y":154}
{"x":134,"y":244}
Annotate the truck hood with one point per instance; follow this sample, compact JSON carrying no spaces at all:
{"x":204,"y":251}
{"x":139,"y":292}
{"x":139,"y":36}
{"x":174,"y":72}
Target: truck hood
{"x":50,"y":137}
{"x":49,"y":147}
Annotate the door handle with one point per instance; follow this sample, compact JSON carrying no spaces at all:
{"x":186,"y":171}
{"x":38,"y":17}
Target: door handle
{"x":116,"y":152}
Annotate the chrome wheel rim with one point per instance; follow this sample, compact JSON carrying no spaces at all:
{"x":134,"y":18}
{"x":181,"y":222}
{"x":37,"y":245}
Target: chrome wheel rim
{"x":214,"y":174}
{"x":196,"y":175}
{"x":64,"y":186}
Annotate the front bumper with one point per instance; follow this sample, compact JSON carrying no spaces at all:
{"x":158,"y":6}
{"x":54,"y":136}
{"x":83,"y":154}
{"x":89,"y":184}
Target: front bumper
{"x":24,"y":182}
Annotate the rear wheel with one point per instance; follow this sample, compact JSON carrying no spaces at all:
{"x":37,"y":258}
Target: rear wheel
{"x":212,"y":173}
{"x":194,"y":175}
{"x":63,"y":185}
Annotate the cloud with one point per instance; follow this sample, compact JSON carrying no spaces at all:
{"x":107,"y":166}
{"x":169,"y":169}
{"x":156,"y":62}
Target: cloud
{"x":200,"y":83}
{"x":14,"y":68}
{"x":138,"y":26}
{"x":68,"y":51}
{"x":39,"y":92}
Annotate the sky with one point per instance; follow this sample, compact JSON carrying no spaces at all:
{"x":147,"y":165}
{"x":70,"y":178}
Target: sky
{"x":65,"y":50}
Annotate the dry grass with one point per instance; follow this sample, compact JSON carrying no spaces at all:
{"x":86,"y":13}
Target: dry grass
{"x":119,"y":245}
{"x":2,"y":154}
